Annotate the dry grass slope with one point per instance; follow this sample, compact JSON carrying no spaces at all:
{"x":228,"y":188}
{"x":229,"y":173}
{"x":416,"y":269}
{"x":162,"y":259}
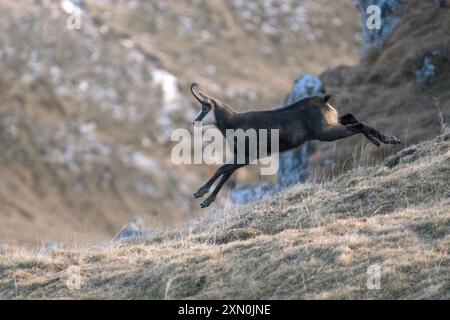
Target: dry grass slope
{"x":85,"y":122}
{"x":313,"y":241}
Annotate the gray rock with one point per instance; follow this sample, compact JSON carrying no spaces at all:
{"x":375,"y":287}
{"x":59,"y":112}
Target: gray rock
{"x":389,"y":21}
{"x":439,"y":3}
{"x":246,"y":194}
{"x":305,"y":86}
{"x":135,"y":229}
{"x":429,"y":67}
{"x":404,"y":156}
{"x":51,"y":246}
{"x":4,"y":248}
{"x":294,"y":163}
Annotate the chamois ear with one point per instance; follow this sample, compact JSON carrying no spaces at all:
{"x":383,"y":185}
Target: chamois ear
{"x":326,"y":97}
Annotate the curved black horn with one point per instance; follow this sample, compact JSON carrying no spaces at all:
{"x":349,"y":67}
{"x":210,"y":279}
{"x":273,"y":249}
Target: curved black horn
{"x":193,"y":85}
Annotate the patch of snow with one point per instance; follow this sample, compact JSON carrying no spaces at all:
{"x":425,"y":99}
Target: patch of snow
{"x":71,"y":7}
{"x":169,"y":87}
{"x":83,"y":85}
{"x":145,"y":162}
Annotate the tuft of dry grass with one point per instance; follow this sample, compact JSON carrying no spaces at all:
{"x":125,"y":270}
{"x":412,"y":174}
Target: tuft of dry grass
{"x":314,"y":241}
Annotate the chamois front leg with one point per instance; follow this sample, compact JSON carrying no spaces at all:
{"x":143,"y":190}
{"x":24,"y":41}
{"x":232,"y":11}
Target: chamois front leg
{"x":212,"y":197}
{"x":222,"y":170}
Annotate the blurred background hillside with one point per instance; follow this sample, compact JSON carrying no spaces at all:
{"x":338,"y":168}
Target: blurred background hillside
{"x":86,"y":114}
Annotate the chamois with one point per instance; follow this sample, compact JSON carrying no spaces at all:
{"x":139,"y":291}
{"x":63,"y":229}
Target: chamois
{"x":311,"y":118}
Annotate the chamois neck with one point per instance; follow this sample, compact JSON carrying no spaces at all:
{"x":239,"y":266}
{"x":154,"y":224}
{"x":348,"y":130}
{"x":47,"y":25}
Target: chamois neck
{"x":225,"y":117}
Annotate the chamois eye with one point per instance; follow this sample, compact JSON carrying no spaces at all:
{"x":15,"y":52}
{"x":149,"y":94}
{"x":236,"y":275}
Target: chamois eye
{"x":205,"y":107}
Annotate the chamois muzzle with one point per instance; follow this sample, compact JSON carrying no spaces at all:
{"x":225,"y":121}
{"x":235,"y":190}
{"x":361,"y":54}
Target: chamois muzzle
{"x":206,"y":104}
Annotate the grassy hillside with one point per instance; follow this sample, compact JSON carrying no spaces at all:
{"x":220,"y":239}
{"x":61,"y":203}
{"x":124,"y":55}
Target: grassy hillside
{"x":313,"y":241}
{"x":86,"y":115}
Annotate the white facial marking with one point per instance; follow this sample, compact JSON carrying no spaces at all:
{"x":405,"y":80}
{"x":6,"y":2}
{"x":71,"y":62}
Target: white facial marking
{"x":331,"y":106}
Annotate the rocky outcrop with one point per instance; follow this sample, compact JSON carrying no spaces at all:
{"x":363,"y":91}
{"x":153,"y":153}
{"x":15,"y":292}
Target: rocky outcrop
{"x":389,"y":20}
{"x":294,"y":164}
{"x":246,"y":194}
{"x":431,"y":64}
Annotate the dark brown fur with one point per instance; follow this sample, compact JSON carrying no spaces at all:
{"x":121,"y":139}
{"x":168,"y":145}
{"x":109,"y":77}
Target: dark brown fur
{"x":308,"y":119}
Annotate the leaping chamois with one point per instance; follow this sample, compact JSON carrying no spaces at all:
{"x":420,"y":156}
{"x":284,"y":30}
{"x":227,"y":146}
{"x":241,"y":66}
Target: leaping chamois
{"x":311,"y":118}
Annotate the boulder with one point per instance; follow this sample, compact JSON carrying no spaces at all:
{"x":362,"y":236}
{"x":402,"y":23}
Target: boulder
{"x":134,"y":230}
{"x":430,"y":66}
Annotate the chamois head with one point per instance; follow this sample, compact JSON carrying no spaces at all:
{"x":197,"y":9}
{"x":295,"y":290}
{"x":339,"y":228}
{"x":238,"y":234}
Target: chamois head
{"x":207,"y":103}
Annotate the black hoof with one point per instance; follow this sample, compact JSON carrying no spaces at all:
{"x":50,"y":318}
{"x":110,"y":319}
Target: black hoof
{"x":206,"y":203}
{"x":394,"y":140}
{"x":200,"y":193}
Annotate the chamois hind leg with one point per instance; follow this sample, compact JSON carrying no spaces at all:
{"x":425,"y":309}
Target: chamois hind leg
{"x":377,"y":134}
{"x":350,"y":119}
{"x":222,"y":170}
{"x":216,"y":190}
{"x":338,"y":131}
